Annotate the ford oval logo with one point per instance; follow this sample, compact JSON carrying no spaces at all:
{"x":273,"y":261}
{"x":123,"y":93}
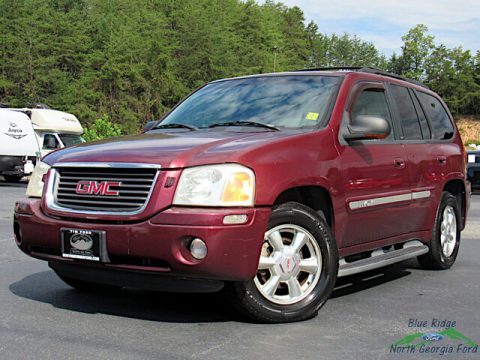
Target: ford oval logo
{"x":432,"y":337}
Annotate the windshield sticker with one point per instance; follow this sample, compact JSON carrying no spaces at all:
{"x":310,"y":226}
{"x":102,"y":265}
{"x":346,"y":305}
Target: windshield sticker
{"x":312,"y":116}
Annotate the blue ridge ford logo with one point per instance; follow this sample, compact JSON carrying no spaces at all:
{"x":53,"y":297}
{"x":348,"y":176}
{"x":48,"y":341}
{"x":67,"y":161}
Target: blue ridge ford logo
{"x":81,"y":241}
{"x":432,"y":337}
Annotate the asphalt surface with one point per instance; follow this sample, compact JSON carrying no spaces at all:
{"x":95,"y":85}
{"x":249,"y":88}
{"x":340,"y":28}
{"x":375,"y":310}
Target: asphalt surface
{"x":42,"y":318}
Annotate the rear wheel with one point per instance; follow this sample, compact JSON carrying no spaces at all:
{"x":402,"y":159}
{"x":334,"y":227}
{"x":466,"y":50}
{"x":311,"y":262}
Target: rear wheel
{"x":445,"y":240}
{"x":13,"y":178}
{"x":297,"y":268}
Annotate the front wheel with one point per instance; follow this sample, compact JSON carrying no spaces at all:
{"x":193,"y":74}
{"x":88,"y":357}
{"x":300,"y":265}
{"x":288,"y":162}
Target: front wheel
{"x":445,"y":240}
{"x":297,"y":268}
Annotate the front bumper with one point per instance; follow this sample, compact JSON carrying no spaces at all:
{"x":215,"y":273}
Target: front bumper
{"x":157,"y":246}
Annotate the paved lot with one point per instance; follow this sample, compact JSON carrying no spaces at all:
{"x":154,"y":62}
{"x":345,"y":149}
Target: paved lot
{"x":41,"y":318}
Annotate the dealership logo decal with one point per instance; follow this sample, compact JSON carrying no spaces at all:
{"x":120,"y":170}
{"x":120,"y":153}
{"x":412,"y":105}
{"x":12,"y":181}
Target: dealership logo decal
{"x":81,"y":241}
{"x":438,"y":336}
{"x":97,"y":188}
{"x":14,"y":132}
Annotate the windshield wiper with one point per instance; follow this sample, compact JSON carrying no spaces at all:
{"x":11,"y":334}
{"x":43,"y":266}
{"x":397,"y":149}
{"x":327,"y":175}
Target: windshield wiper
{"x":175,"y":126}
{"x":245,"y":123}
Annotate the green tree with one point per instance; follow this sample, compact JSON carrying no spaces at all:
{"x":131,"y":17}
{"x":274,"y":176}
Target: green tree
{"x":134,"y":60}
{"x":102,"y":128}
{"x":417,"y":46}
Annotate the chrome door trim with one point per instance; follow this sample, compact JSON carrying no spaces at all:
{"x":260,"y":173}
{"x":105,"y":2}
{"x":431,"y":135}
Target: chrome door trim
{"x":384,"y":200}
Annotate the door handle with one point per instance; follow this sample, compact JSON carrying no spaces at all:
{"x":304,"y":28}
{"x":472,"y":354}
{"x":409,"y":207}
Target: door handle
{"x":399,"y":163}
{"x":442,"y":160}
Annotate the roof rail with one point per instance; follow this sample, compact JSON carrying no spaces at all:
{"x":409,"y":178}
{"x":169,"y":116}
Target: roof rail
{"x":369,"y":70}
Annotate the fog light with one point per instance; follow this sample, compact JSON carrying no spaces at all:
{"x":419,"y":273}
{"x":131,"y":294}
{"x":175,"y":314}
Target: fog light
{"x":198,"y":249}
{"x":235,"y":219}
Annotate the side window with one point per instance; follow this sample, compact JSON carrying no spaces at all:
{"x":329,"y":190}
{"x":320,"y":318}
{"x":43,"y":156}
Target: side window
{"x":372,"y":101}
{"x":50,"y":142}
{"x":407,"y":113}
{"x":442,"y":127}
{"x":427,"y":134}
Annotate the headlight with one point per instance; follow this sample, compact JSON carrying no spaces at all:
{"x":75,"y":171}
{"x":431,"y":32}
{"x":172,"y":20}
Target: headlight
{"x":216,"y":185}
{"x":35,"y":185}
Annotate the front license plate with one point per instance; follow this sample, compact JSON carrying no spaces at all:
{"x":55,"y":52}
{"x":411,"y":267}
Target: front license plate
{"x":83,"y":244}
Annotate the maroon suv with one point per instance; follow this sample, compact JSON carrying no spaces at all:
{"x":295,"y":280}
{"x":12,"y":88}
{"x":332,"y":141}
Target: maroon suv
{"x":269,"y":186}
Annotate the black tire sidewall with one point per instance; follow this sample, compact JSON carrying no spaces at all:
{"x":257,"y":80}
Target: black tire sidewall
{"x":437,"y":254}
{"x":297,"y":214}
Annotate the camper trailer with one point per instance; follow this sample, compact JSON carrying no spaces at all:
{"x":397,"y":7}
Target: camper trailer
{"x":18,"y":145}
{"x":42,"y":131}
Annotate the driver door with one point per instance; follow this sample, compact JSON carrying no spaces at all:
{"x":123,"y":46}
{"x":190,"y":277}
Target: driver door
{"x":375,"y":176}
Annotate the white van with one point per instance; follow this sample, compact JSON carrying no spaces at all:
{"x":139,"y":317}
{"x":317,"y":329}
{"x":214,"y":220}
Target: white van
{"x":19,"y":146}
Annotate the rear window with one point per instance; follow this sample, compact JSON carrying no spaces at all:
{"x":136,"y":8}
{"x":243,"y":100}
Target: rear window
{"x":422,"y":118}
{"x":442,"y":127}
{"x":407,"y":113}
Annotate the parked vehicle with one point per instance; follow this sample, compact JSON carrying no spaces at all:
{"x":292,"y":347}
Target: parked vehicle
{"x":52,"y":130}
{"x":268,"y":186}
{"x":18,"y":145}
{"x":55,"y":129}
{"x":473,"y":169}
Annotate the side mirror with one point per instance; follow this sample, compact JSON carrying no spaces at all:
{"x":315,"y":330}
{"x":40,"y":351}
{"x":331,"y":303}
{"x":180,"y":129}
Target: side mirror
{"x":150,"y":125}
{"x":366,"y":127}
{"x":51,"y":143}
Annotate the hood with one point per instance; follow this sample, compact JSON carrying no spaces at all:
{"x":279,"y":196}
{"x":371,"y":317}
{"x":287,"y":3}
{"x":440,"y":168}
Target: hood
{"x":177,"y":149}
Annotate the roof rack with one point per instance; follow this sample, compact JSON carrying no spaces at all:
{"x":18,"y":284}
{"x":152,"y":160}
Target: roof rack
{"x":369,"y":70}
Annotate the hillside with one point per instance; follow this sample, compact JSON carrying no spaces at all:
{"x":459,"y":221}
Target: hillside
{"x":469,"y":128}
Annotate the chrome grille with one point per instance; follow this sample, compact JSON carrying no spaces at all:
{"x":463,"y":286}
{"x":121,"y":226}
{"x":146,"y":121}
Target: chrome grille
{"x":131,"y":186}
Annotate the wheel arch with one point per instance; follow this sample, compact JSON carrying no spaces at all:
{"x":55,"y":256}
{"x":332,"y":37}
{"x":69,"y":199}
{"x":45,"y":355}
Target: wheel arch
{"x":456,"y":187}
{"x":315,"y":197}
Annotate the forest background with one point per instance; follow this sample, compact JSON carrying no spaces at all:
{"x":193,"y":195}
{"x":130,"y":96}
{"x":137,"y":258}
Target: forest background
{"x":127,"y":62}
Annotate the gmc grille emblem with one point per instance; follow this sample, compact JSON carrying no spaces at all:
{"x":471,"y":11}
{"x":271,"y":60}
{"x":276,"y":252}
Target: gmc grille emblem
{"x":97,"y":188}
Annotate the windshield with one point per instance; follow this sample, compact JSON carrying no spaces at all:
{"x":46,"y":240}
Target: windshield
{"x":70,"y":139}
{"x":292,"y":101}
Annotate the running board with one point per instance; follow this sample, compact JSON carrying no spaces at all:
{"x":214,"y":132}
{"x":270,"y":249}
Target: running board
{"x":381,"y":258}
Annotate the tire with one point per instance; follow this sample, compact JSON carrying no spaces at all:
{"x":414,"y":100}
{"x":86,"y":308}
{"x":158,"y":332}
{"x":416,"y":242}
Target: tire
{"x":445,"y":240}
{"x":296,"y":274}
{"x":13,"y":178}
{"x":86,"y":286}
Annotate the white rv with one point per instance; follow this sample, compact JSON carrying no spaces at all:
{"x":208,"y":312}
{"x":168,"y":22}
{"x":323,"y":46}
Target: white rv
{"x":18,"y":145}
{"x":43,"y":130}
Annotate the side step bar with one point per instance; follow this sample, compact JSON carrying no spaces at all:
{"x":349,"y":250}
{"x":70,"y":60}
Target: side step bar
{"x":381,"y":258}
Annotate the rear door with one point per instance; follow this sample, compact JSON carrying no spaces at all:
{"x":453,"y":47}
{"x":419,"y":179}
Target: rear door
{"x":445,"y":156}
{"x":415,"y":135}
{"x":375,"y":174}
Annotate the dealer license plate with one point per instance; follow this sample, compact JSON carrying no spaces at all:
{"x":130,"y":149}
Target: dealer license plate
{"x":83,"y":244}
